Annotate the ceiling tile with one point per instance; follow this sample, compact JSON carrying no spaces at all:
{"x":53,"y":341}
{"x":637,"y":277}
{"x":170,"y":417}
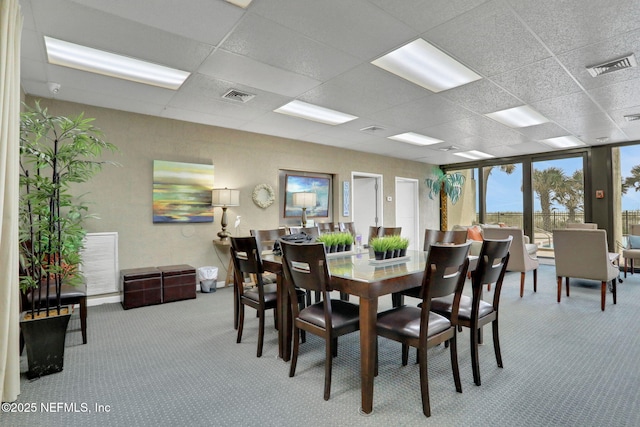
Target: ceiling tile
{"x":482,"y":96}
{"x":562,"y":107}
{"x":545,"y":79}
{"x":492,"y":41}
{"x":618,"y":96}
{"x":427,"y":111}
{"x":542,"y":131}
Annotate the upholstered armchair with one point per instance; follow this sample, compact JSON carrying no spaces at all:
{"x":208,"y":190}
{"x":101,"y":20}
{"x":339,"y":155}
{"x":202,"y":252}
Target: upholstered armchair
{"x":522,"y":255}
{"x":632,"y":251}
{"x":581,"y":226}
{"x":584,"y":254}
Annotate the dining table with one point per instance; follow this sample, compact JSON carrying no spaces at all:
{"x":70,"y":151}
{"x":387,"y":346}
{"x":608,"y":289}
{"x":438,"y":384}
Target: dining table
{"x":354,"y":273}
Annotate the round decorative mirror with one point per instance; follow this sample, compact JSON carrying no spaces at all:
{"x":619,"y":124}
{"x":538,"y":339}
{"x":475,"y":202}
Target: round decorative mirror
{"x":263,"y":195}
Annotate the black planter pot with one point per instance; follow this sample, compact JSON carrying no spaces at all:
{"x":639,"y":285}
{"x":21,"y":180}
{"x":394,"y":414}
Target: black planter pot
{"x":340,"y":248}
{"x":44,"y":339}
{"x":379,"y":255}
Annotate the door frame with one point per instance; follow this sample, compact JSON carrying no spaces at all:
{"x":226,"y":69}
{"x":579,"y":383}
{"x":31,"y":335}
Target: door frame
{"x":379,"y":182}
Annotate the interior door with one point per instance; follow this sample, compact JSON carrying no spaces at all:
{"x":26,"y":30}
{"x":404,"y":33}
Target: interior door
{"x":367,"y":202}
{"x":407,"y":210}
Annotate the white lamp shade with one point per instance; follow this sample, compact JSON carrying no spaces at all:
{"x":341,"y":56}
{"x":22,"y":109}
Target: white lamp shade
{"x":225,"y":197}
{"x":304,"y":200}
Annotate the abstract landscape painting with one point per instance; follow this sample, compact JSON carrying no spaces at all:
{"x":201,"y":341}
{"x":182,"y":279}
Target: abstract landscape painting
{"x":182,"y":192}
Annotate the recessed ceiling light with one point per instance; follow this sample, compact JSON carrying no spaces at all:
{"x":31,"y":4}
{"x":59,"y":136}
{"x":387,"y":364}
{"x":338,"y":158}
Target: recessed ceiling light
{"x":518,"y":117}
{"x":415,"y":138}
{"x":109,"y":64}
{"x":427,"y":66}
{"x":563,"y":142}
{"x":314,"y":112}
{"x":474,"y":155}
{"x":240,"y":3}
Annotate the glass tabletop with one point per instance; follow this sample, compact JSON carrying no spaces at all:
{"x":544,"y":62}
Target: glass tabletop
{"x":362,"y":268}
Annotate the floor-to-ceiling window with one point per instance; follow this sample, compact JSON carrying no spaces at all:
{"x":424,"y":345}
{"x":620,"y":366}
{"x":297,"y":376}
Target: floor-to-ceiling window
{"x":629,"y":166}
{"x":502,"y":189}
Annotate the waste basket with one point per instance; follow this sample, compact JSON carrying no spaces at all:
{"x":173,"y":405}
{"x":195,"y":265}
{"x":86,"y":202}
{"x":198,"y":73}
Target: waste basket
{"x":208,"y":276}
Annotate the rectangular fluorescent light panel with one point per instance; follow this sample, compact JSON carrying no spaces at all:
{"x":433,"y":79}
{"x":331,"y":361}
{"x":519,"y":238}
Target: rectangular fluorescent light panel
{"x":240,"y":3}
{"x":474,"y":155}
{"x":518,"y":117}
{"x":415,"y":138}
{"x":109,"y":64}
{"x":427,"y":66}
{"x":316,"y":113}
{"x":563,"y":142}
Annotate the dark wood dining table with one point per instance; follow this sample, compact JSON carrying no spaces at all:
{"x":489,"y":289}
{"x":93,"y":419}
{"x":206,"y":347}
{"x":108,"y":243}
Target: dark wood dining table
{"x":355,"y":274}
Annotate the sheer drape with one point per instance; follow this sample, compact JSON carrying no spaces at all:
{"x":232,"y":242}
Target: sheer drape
{"x":10,"y":31}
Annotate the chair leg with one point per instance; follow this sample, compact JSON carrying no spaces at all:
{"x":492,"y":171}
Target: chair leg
{"x":260,"y":331}
{"x":559,"y":288}
{"x":397,"y":300}
{"x":625,"y":267}
{"x":327,"y":368}
{"x":334,"y":346}
{"x":521,"y":284}
{"x":566,"y":282}
{"x":603,"y":294}
{"x":240,"y":322}
{"x":614,"y":290}
{"x":475,"y":364}
{"x":405,"y":354}
{"x":236,"y":307}
{"x":453,"y":347}
{"x":83,"y":319}
{"x":496,"y":342}
{"x":535,"y":280}
{"x":296,"y":349}
{"x":424,"y":386}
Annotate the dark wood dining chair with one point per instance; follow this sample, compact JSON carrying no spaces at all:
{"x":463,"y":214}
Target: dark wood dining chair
{"x":431,"y":237}
{"x":326,"y":227}
{"x":348,"y":227}
{"x":265,"y":239}
{"x":445,"y":273}
{"x":389,"y":231}
{"x":305,"y":267}
{"x":311,"y":231}
{"x":474,"y":312}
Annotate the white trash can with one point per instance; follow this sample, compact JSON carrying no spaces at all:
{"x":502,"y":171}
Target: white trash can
{"x":207,"y":276}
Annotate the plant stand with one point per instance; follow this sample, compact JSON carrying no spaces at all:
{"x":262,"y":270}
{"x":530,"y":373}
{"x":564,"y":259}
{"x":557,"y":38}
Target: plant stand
{"x":44,"y":338}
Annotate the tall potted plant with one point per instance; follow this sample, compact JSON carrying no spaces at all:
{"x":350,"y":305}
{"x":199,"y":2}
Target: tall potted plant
{"x":55,"y":153}
{"x":446,"y":185}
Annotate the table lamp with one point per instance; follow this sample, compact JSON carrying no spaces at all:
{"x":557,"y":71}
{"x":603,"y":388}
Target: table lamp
{"x":304,"y":201}
{"x":224,"y":198}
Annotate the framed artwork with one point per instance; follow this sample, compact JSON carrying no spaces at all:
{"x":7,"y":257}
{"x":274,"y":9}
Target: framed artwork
{"x":182,"y":192}
{"x":307,"y":184}
{"x":346,"y":198}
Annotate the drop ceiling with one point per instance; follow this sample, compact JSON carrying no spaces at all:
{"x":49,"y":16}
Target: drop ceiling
{"x":533,"y":53}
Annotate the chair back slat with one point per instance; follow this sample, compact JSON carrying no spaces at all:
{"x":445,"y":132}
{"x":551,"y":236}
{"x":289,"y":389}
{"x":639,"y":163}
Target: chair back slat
{"x":445,"y":270}
{"x":492,"y":262}
{"x":457,"y":237}
{"x":305,"y":266}
{"x":311,"y":231}
{"x":265,"y":239}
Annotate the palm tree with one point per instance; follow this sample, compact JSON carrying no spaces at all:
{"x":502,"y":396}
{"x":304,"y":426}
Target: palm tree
{"x":571,"y":195}
{"x":508,"y":169}
{"x":446,"y":185}
{"x":632,"y":181}
{"x":546,"y":183}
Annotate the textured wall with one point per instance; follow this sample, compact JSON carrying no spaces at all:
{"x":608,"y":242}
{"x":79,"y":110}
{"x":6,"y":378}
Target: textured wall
{"x":122,"y":196}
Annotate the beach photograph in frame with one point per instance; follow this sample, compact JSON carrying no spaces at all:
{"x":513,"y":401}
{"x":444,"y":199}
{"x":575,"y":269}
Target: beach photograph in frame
{"x":307,"y":184}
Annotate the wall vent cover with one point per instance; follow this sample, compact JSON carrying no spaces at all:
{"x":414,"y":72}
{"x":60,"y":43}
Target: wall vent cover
{"x":449,"y":148}
{"x":632,"y":117}
{"x":628,"y":61}
{"x":238,"y":96}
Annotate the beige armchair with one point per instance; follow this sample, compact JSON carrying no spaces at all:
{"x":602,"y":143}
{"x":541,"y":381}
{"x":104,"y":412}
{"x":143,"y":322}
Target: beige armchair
{"x":632,"y":251}
{"x":582,"y":226}
{"x":522,"y":255}
{"x":584,"y":254}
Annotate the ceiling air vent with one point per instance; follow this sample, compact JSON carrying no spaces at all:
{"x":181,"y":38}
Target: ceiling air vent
{"x":628,"y":61}
{"x":449,"y":148}
{"x":238,"y":96}
{"x":632,"y":117}
{"x":372,"y":129}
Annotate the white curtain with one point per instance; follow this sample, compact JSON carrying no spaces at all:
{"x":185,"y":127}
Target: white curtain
{"x":10,"y":31}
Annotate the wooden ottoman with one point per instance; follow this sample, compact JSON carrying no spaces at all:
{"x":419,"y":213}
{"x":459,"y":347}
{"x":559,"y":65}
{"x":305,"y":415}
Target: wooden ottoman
{"x":178,"y":282}
{"x":140,"y":287}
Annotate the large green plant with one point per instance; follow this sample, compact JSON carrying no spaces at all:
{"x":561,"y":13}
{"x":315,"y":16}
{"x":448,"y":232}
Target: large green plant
{"x":450,"y":183}
{"x":55,"y":153}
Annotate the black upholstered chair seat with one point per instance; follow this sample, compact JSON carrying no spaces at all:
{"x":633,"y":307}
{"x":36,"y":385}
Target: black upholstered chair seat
{"x":443,"y":305}
{"x":270,"y":295}
{"x":66,"y":292}
{"x":343,"y":314}
{"x":406,"y":321}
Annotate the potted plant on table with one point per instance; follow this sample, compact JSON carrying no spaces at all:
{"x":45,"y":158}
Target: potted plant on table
{"x":55,"y":153}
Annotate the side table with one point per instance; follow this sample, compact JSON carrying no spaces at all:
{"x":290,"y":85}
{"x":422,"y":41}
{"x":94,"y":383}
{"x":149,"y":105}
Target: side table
{"x":223,"y":246}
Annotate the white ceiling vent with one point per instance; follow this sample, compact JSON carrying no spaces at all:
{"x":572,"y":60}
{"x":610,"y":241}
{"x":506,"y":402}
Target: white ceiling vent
{"x":449,"y":148}
{"x":372,"y":129}
{"x":238,"y":96}
{"x":628,"y":61}
{"x":632,"y":117}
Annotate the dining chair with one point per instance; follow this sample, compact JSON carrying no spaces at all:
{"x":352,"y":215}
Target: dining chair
{"x":522,"y":255}
{"x":265,"y":239}
{"x":326,"y":227}
{"x":419,"y":327}
{"x":305,"y":267}
{"x":310,"y":231}
{"x":389,"y":231}
{"x":431,"y":237}
{"x":348,"y":227}
{"x":261,"y":297}
{"x":473,"y":312}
